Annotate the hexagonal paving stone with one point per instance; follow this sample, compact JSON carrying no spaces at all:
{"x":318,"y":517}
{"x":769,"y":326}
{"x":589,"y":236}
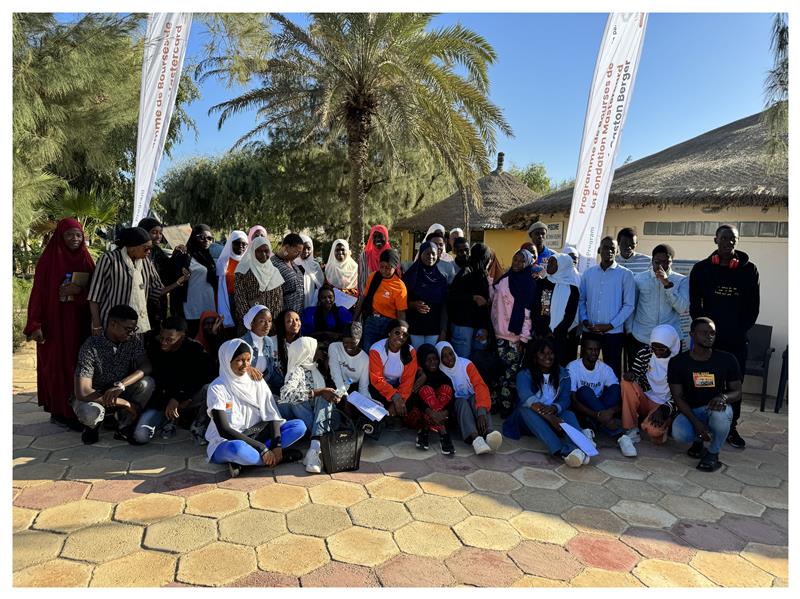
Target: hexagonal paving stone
{"x":73,"y":516}
{"x":493,"y":482}
{"x":216,"y":503}
{"x":661,"y":573}
{"x":362,"y":546}
{"x":140,"y":569}
{"x":340,"y":575}
{"x":660,"y":544}
{"x":437,"y":509}
{"x":769,"y":496}
{"x":380,"y":513}
{"x":661,"y":466}
{"x":33,"y":547}
{"x":372,"y":452}
{"x":635,"y":490}
{"x":200,"y":463}
{"x":753,"y":476}
{"x":729,"y":570}
{"x":278,"y":497}
{"x":216,"y":564}
{"x":148,"y":509}
{"x":81,"y":454}
{"x":57,"y":441}
{"x":180,"y":534}
{"x":366,"y":473}
{"x":252,"y":527}
{"x":717,"y":481}
{"x":99,"y":470}
{"x":427,"y":540}
{"x":545,"y":560}
{"x":638,"y":513}
{"x":537,"y":581}
{"x":487,"y":533}
{"x":733,"y":503}
{"x":675,"y":485}
{"x":620,"y":469}
{"x":690,"y":508}
{"x":538,"y":478}
{"x":394,"y":489}
{"x":756,"y":530}
{"x":295,"y":474}
{"x":157,"y":465}
{"x":317,"y":520}
{"x":589,"y":494}
{"x":707,"y":536}
{"x":540,"y":500}
{"x":103,"y":542}
{"x":409,"y":451}
{"x":408,"y":469}
{"x":595,"y":520}
{"x":337,"y":493}
{"x":483,"y":568}
{"x":460,"y":465}
{"x":51,"y":494}
{"x":602,"y":552}
{"x":55,"y":573}
{"x":584,"y":474}
{"x":543,"y":527}
{"x":595,"y":577}
{"x":22,"y":518}
{"x":408,"y":570}
{"x":769,"y":558}
{"x":117,"y":490}
{"x":490,"y":505}
{"x":260,"y":579}
{"x":292,"y":554}
{"x":447,"y":485}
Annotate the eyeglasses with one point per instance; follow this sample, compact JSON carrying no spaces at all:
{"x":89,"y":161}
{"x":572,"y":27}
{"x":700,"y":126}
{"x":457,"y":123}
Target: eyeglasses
{"x":129,"y":330}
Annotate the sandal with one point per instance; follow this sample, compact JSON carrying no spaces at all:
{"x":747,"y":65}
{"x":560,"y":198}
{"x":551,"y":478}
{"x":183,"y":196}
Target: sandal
{"x":709,"y":462}
{"x":696,"y":450}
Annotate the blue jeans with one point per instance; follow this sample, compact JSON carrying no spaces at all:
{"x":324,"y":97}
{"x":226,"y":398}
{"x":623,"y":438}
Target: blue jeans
{"x":376,"y":327}
{"x":149,"y":421}
{"x":418,"y":340}
{"x":609,"y":398}
{"x":239,"y":452}
{"x":316,"y":415}
{"x":464,"y":342}
{"x":718,"y":423}
{"x":544,"y":432}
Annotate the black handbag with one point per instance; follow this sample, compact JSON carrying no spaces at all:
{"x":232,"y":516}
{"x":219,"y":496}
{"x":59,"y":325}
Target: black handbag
{"x":341,"y":449}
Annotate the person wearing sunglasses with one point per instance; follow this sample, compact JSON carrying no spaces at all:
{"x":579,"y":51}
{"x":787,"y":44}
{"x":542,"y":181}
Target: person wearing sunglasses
{"x":199,"y":295}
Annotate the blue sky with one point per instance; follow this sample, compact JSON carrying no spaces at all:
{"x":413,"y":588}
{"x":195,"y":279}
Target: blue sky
{"x":697,"y":72}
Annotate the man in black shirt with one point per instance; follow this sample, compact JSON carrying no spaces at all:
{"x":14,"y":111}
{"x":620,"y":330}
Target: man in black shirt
{"x":703,"y":382}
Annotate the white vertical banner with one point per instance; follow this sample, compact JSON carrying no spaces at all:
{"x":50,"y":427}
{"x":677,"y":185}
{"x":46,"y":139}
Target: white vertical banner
{"x":164,"y":49}
{"x":609,"y":99}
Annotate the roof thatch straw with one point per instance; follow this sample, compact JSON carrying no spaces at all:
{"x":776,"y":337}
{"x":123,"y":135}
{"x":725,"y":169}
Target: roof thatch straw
{"x":500,"y":192}
{"x":720,"y":168}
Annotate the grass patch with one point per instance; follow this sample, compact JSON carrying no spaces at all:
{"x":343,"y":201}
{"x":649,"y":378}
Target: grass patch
{"x":22,"y":291}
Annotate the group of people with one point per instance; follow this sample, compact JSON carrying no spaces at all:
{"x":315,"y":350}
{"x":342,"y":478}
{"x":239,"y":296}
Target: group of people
{"x":258,"y":348}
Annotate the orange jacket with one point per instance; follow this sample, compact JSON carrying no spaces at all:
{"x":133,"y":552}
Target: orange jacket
{"x":378,"y":381}
{"x":482,"y":397}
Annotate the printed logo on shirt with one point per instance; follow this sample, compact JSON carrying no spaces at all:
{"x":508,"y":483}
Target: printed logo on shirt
{"x":704,"y":379}
{"x":387,"y":294}
{"x":547,"y":296}
{"x":726,"y":291}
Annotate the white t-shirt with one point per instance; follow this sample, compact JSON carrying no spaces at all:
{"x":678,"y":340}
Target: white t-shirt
{"x":601,"y":377}
{"x":392,"y":368}
{"x":241,"y":416}
{"x":345,"y":367}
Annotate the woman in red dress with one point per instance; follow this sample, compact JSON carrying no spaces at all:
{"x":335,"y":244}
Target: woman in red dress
{"x":58,"y":317}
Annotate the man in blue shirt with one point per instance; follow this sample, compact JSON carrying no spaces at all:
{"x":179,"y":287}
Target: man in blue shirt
{"x":608,"y":296}
{"x":538,"y":232}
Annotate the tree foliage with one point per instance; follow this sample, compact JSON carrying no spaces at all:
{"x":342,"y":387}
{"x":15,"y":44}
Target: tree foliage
{"x":534,"y":176}
{"x":776,"y":91}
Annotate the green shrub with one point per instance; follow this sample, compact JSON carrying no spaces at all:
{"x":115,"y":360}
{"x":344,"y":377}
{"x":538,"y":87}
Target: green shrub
{"x":22,"y":291}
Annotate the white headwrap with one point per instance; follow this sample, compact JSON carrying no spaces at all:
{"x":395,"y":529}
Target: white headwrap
{"x":255,"y":229}
{"x":300,"y":354}
{"x":342,"y":275}
{"x":457,"y":230}
{"x":244,"y":389}
{"x":266,"y":274}
{"x":462,"y":386}
{"x":313,"y":278}
{"x":664,"y":334}
{"x":563,"y":280}
{"x":223,"y":301}
{"x":247,"y":320}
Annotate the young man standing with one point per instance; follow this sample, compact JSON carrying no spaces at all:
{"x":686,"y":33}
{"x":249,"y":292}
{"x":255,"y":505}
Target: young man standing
{"x":725,"y":288}
{"x":538,"y":233}
{"x":628,"y":256}
{"x":705,"y":383}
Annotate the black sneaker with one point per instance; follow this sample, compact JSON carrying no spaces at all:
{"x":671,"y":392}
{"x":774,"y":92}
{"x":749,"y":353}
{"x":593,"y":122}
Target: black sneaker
{"x":422,"y":440}
{"x":735,"y":439}
{"x":447,"y":444}
{"x":696,"y":450}
{"x":290,"y":454}
{"x":709,"y":462}
{"x":90,"y":435}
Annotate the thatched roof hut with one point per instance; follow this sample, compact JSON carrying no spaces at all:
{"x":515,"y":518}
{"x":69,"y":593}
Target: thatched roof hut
{"x":500,"y":192}
{"x":725,"y":167}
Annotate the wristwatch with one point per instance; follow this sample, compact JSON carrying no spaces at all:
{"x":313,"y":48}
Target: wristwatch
{"x":119,"y":386}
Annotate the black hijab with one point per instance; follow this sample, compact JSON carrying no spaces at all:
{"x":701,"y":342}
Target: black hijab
{"x":202,"y":255}
{"x":434,"y":378}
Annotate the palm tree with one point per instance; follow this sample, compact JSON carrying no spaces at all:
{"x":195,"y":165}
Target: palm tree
{"x":374,"y":82}
{"x":776,"y":90}
{"x":94,"y":209}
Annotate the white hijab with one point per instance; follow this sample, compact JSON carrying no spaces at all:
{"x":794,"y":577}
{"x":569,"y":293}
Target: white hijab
{"x":462,"y":386}
{"x":344,"y":274}
{"x":247,"y":320}
{"x":313,"y":278}
{"x":300,"y":354}
{"x":244,"y":389}
{"x":563,"y":280}
{"x":223,"y":301}
{"x":664,"y":334}
{"x":266,"y":274}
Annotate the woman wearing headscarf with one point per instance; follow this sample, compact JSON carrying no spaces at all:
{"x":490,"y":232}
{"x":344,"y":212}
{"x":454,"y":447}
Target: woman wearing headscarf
{"x":326,"y":321}
{"x":645,"y":392}
{"x":555,"y":305}
{"x":313,"y":277}
{"x":495,"y":269}
{"x":246,"y":427}
{"x":512,"y":298}
{"x":384,"y":300}
{"x":444,"y":263}
{"x":258,"y":322}
{"x":430,"y":400}
{"x":235,"y":248}
{"x":472,"y":404}
{"x":256,"y":231}
{"x":426,"y":286}
{"x":341,"y":271}
{"x":305,"y":396}
{"x":58,"y":317}
{"x":200,"y":294}
{"x":257,"y":281}
{"x":468,"y":304}
{"x":368,"y":261}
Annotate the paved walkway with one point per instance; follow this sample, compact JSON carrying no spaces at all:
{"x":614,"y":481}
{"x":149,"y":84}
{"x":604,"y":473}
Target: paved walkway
{"x":116,"y":515}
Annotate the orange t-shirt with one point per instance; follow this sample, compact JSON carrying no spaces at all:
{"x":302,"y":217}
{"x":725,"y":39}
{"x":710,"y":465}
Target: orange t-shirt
{"x":232,"y":264}
{"x":390,"y":298}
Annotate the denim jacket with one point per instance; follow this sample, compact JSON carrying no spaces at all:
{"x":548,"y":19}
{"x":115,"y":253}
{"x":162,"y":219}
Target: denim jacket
{"x":528,"y":397}
{"x":272,"y":373}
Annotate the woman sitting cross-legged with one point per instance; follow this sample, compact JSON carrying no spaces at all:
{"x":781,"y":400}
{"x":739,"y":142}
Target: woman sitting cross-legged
{"x":392,"y":369}
{"x":430,"y":400}
{"x":544,"y":399}
{"x":305,"y":395}
{"x":246,"y":428}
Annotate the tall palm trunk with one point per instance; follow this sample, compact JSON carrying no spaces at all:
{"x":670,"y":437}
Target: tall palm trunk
{"x":465,"y":207}
{"x":357,"y":153}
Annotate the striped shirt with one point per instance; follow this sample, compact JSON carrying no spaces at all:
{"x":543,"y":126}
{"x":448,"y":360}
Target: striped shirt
{"x":293,"y":291}
{"x":112,"y":282}
{"x":246,"y":294}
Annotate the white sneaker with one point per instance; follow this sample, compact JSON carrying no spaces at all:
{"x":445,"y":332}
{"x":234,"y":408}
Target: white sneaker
{"x":312,"y":462}
{"x":575,"y":459}
{"x":633,"y":435}
{"x":626,"y":446}
{"x":494,"y":440}
{"x":480,"y":446}
{"x":589,"y":434}
{"x":586,"y":460}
